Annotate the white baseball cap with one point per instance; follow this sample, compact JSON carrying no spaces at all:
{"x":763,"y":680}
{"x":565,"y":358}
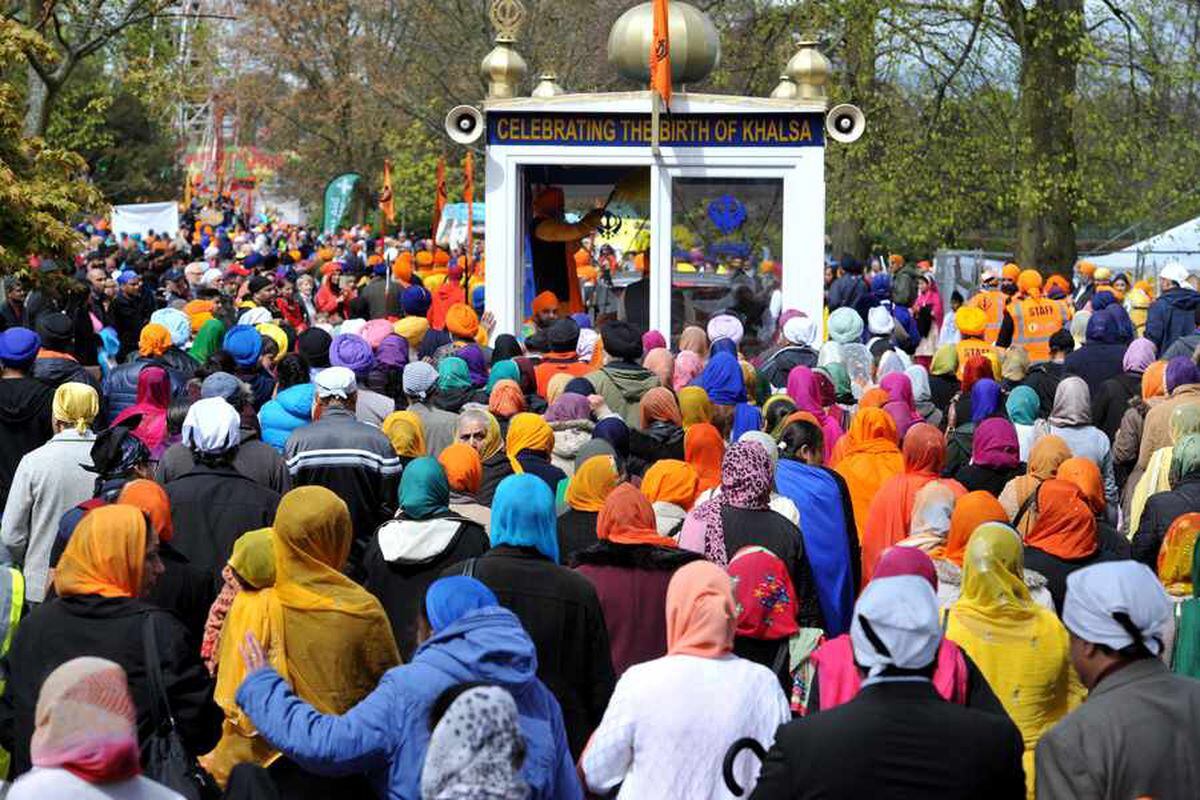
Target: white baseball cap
{"x":1174,"y":271}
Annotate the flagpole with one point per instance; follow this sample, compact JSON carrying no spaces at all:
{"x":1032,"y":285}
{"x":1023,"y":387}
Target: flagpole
{"x":655,"y":112}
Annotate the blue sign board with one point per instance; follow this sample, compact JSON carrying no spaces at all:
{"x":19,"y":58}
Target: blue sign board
{"x":780,"y":129}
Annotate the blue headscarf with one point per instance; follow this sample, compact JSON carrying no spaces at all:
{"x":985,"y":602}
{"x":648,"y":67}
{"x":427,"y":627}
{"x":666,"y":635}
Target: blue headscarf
{"x":1023,"y":406}
{"x":881,"y":287}
{"x":723,"y":345}
{"x":449,"y":599}
{"x":424,"y":490}
{"x":722,"y":379}
{"x":985,"y":399}
{"x":1102,"y":327}
{"x":745,"y":418}
{"x":244,"y":343}
{"x":614,"y":431}
{"x":523,"y":515}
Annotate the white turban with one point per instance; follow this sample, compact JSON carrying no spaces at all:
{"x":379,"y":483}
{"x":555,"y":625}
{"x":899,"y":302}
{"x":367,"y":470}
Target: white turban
{"x":336,"y":382}
{"x":210,"y":276}
{"x":211,"y":426}
{"x":254,"y":316}
{"x":1116,"y":604}
{"x":354,"y":326}
{"x":879,"y":321}
{"x":587,"y":344}
{"x":725,"y":326}
{"x":801,"y":330}
{"x":895,"y":625}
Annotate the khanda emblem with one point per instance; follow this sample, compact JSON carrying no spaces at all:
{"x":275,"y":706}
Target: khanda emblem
{"x":610,"y":223}
{"x":727,"y":213}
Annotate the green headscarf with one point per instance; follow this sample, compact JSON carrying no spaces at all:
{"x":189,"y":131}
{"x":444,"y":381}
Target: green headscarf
{"x":1023,"y":406}
{"x":208,"y":340}
{"x":503,"y":370}
{"x":1185,"y":458}
{"x":453,"y":374}
{"x":841,"y":381}
{"x":1185,"y":659}
{"x":945,"y":360}
{"x":1185,"y":420}
{"x":424,"y":490}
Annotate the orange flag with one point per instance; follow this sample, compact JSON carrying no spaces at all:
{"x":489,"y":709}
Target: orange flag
{"x":439,"y":197}
{"x":469,"y":198}
{"x":660,"y":53}
{"x":387,"y":204}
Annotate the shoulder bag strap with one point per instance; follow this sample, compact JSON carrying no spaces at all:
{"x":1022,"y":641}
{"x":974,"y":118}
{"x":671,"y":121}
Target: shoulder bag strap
{"x":468,"y":568}
{"x":1024,"y":509}
{"x":159,"y":705}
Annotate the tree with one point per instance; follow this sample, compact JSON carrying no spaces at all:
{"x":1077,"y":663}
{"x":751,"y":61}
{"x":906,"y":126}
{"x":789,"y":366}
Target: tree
{"x":42,"y":191}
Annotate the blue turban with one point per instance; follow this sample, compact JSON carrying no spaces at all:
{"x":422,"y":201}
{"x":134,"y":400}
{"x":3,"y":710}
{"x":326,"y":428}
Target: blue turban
{"x":352,"y":351}
{"x":477,"y":299}
{"x":523,"y":515}
{"x":19,"y":347}
{"x":126,"y":276}
{"x":416,"y":301}
{"x":448,"y":599}
{"x":723,"y":380}
{"x":244,"y":343}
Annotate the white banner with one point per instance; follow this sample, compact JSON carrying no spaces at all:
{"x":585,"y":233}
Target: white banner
{"x":141,"y":218}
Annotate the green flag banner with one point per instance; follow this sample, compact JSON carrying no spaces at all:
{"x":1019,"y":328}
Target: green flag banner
{"x":337,"y":199}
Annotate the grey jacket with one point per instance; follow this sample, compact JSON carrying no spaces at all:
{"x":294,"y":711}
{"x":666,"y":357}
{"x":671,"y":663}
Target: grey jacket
{"x":1135,"y":736}
{"x":255,"y":459}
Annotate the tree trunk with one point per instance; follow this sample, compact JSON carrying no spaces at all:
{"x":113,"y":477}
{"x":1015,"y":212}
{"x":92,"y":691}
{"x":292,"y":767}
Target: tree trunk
{"x":1050,"y":41}
{"x":39,"y":96}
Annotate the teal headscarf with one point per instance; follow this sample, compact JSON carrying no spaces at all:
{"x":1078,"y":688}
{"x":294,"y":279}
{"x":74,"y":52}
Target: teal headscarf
{"x":208,"y":340}
{"x":453,"y":374}
{"x":503,"y":370}
{"x":840,"y":378}
{"x":1023,"y":406}
{"x":523,"y":515}
{"x":1185,"y":458}
{"x":1185,"y":660}
{"x":424,"y":490}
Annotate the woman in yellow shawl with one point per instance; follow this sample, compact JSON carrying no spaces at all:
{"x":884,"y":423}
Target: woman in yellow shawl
{"x":695,"y":406}
{"x":407,"y":434}
{"x":330,"y":636}
{"x":1020,"y":647}
{"x":868,"y":459}
{"x":1185,"y":420}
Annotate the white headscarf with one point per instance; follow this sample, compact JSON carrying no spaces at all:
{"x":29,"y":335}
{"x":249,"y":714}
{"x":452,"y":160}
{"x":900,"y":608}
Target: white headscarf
{"x":254,"y":316}
{"x":473,"y":750}
{"x":879,"y":321}
{"x":725,"y":326}
{"x":901,"y":626}
{"x":919,"y":379}
{"x":587,"y":344}
{"x":1116,"y":604}
{"x":211,"y":426}
{"x":801,"y":331}
{"x":765,"y":439}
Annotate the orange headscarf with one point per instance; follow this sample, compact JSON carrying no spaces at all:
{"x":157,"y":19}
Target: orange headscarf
{"x":1176,"y":555}
{"x":1065,"y":525}
{"x":154,"y":340}
{"x":1154,"y":380}
{"x":527,"y":432}
{"x":874,"y":398}
{"x":704,"y":448}
{"x":592,"y":482}
{"x":869,"y":458}
{"x":972,"y":510}
{"x":106,"y":554}
{"x":701,"y":612}
{"x":464,"y":468}
{"x":1084,"y":473}
{"x":660,"y":404}
{"x":627,"y":518}
{"x":506,"y":399}
{"x":152,"y":499}
{"x":890,"y":513}
{"x":1045,"y":457}
{"x":671,"y":481}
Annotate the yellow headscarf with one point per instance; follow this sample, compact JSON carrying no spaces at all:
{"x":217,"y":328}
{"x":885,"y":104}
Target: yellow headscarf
{"x":527,"y":432}
{"x":406,"y":432}
{"x":1175,"y":555}
{"x":592,"y":483}
{"x":494,"y":440}
{"x":253,"y":557}
{"x":556,"y":386}
{"x":276,"y":335}
{"x":77,"y":404}
{"x":412,"y":328}
{"x":695,"y":406}
{"x":1184,"y":420}
{"x":1020,"y":647}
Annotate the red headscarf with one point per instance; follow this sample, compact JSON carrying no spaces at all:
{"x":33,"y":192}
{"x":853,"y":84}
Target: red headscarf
{"x":1065,"y":527}
{"x":766,"y":599}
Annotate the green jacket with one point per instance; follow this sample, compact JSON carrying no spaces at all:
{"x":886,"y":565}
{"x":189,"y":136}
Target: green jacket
{"x":622,"y":386}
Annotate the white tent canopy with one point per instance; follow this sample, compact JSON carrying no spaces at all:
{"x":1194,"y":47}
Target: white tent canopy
{"x":1147,"y":257}
{"x":141,"y":218}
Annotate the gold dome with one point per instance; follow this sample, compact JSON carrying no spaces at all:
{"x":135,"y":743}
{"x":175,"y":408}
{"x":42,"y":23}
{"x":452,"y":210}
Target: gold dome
{"x":695,"y":44}
{"x":786,"y":89}
{"x":503,"y":70}
{"x":809,"y":69}
{"x":547,"y":86}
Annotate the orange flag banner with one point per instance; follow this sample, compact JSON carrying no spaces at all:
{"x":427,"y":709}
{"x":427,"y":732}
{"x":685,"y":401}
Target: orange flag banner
{"x":469,"y":199}
{"x":439,"y":198}
{"x":387,"y":203}
{"x":660,"y":53}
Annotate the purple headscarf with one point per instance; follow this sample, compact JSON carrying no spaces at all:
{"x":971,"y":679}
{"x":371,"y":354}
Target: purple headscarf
{"x":392,"y":351}
{"x":568,"y":407}
{"x":995,"y":445}
{"x":1180,"y":372}
{"x":985,"y":400}
{"x":900,"y":391}
{"x":351,"y":351}
{"x":476,"y":365}
{"x":1139,"y":355}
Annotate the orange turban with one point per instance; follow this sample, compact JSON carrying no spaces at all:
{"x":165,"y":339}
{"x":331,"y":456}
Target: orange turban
{"x":1030,"y":282}
{"x":462,"y":321}
{"x":441,"y":258}
{"x":464,"y":469}
{"x":402,"y":267}
{"x":1010,"y":272}
{"x":154,"y":341}
{"x":1085,"y":268}
{"x":199,"y":312}
{"x":546,"y":301}
{"x":424,"y":259}
{"x":1058,"y":282}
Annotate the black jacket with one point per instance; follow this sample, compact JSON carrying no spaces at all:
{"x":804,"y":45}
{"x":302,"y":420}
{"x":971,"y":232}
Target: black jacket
{"x":660,"y":440}
{"x":495,"y":469}
{"x":54,"y":371}
{"x":1161,"y":510}
{"x":744,"y":527}
{"x":255,"y":459}
{"x":1056,"y":570}
{"x":561,"y":612}
{"x":890,"y":742}
{"x":778,"y":365}
{"x":1096,"y":362}
{"x":1044,"y":377}
{"x":1111,"y":401}
{"x":425,"y":549}
{"x":942,"y":389}
{"x":211,"y":506}
{"x":185,"y":590}
{"x":129,"y":315}
{"x":119,"y":389}
{"x":69,"y":627}
{"x":24,"y":424}
{"x":986,"y":479}
{"x":180,"y":362}
{"x":576,"y":532}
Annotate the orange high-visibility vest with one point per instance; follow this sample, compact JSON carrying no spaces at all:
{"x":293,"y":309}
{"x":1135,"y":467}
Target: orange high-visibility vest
{"x":969,"y":348}
{"x":992,"y":305}
{"x":1035,"y":320}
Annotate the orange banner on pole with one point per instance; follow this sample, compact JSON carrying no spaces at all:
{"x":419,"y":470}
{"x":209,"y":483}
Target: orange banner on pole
{"x":469,"y":199}
{"x":387,"y":203}
{"x":439,"y":199}
{"x":660,"y":53}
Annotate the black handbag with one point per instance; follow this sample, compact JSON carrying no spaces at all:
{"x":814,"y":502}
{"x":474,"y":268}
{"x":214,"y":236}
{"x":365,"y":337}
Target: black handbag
{"x":164,"y":758}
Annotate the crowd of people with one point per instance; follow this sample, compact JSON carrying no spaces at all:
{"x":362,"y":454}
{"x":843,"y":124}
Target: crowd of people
{"x":293,"y":521}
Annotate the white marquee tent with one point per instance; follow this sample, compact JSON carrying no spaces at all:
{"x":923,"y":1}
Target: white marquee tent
{"x":1147,"y":257}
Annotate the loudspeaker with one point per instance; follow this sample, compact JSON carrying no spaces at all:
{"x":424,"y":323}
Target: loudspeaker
{"x":464,"y":124}
{"x":845,"y":123}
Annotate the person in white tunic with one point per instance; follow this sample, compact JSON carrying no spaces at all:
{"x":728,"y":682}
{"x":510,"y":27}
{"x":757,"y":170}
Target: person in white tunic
{"x":671,"y":720}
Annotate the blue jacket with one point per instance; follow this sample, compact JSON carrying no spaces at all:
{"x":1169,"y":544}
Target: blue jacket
{"x":1171,"y":316}
{"x":387,"y":734}
{"x":120,"y":386}
{"x":291,"y":409}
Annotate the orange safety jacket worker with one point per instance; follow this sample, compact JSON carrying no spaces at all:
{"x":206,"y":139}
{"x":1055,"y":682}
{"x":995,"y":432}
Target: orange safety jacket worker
{"x":1035,"y":320}
{"x":992,"y":303}
{"x":968,"y":348}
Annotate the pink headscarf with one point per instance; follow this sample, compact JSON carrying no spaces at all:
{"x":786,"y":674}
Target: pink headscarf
{"x":931,"y":298}
{"x":687,"y":366}
{"x":901,"y":405}
{"x":153,"y":397}
{"x":661,"y":363}
{"x":995,"y":444}
{"x":805,"y":392}
{"x":652,"y":340}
